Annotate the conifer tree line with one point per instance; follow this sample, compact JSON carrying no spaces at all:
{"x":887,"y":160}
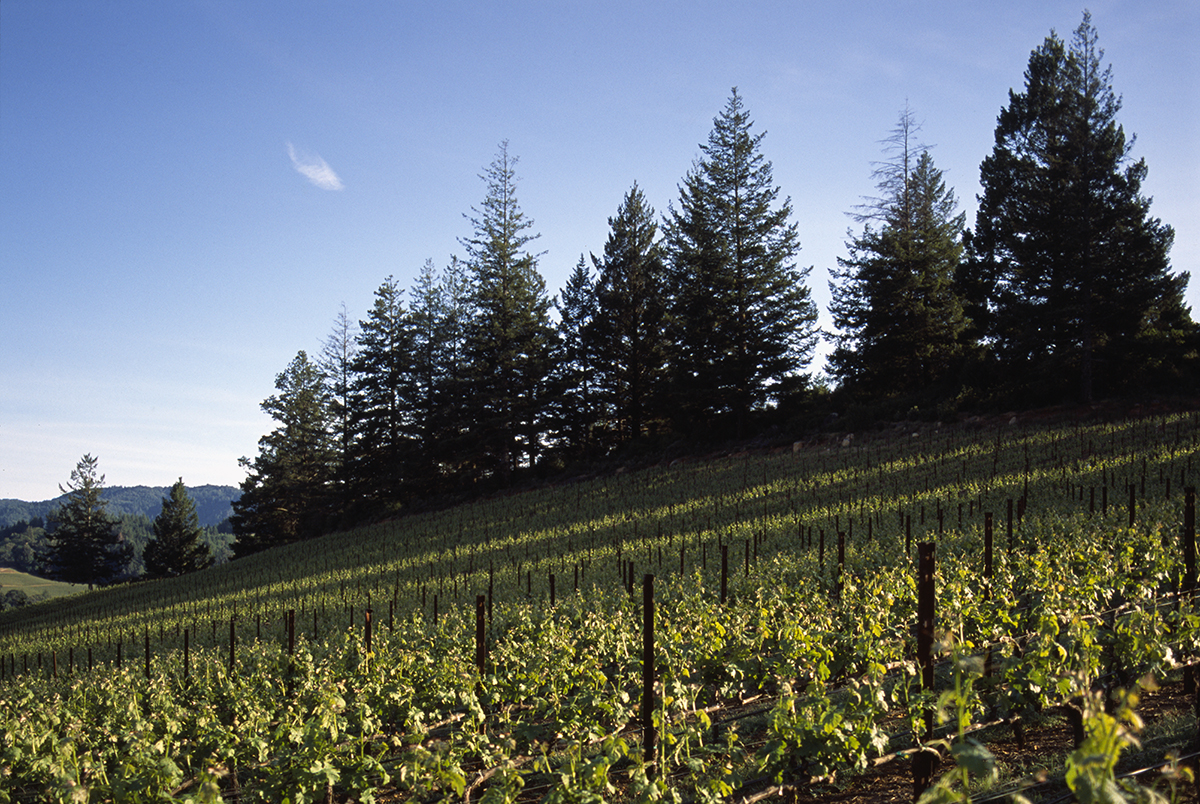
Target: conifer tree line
{"x":698,"y":322}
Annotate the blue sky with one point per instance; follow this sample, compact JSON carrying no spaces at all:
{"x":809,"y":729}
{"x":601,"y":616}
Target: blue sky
{"x":189,"y":191}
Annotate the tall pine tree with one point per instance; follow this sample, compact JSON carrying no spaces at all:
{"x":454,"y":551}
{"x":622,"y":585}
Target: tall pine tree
{"x":1069,"y":273}
{"x":336,"y":363}
{"x":86,"y":545}
{"x":896,"y":305}
{"x":176,"y":548}
{"x":383,"y":419}
{"x":285,"y":496}
{"x":429,"y":344}
{"x":510,"y":341}
{"x":575,"y":371}
{"x":743,"y":322}
{"x":627,"y":333}
{"x":441,"y":311}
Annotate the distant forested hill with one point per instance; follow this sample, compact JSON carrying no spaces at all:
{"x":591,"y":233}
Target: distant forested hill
{"x":212,"y":503}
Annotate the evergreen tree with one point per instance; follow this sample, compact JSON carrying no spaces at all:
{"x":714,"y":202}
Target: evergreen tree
{"x":437,"y":316}
{"x":383,"y":417}
{"x":1068,"y":272}
{"x":441,"y":312}
{"x":427,"y":315}
{"x":285,"y":496}
{"x":336,"y":363}
{"x":177,"y":547}
{"x":509,"y":339}
{"x":86,"y":545}
{"x":575,"y":370}
{"x":743,"y":322}
{"x":897,"y":308}
{"x":627,"y":331}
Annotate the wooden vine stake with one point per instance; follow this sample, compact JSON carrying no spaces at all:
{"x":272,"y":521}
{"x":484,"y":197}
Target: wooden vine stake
{"x":649,"y":735}
{"x":480,"y":657}
{"x":1009,"y":526}
{"x":841,"y":563}
{"x":480,"y":635}
{"x":1189,"y":542}
{"x":290,"y":617}
{"x":1132,"y":504}
{"x":367,"y":632}
{"x":924,"y":761}
{"x":1188,"y":596}
{"x":724,"y":572}
{"x":987,"y":574}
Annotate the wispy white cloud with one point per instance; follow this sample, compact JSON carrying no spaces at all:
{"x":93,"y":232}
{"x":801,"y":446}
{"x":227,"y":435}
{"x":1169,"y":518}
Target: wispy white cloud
{"x":314,"y":168}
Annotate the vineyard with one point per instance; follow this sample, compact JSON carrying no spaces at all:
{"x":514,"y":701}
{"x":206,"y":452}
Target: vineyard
{"x":728,"y":629}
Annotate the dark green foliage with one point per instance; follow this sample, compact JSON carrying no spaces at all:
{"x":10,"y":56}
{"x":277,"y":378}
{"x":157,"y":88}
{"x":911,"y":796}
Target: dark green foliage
{"x":22,"y":546}
{"x":285,"y":496}
{"x":577,"y":366}
{"x":1069,"y":276}
{"x":627,"y":332}
{"x":742,"y":320}
{"x":86,"y":545}
{"x":510,"y":342}
{"x":898,"y":311}
{"x":177,"y":547}
{"x":429,"y":361}
{"x":382,"y":409}
{"x":438,"y":313}
{"x":137,"y":531}
{"x":15,"y":599}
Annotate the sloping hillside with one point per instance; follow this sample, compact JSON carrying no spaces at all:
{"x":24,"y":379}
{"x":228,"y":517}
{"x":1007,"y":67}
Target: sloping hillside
{"x":755,"y":616}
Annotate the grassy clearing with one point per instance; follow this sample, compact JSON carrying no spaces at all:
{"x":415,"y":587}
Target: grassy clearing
{"x":36,"y":587}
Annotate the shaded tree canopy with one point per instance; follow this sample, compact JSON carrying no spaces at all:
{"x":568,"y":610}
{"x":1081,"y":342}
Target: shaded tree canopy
{"x":85,"y":544}
{"x":1069,"y":274}
{"x":895,"y":302}
{"x":510,"y":342}
{"x":742,"y":319}
{"x":285,"y":494}
{"x":578,"y":413}
{"x":382,"y":420}
{"x":177,"y":547}
{"x":627,"y":333}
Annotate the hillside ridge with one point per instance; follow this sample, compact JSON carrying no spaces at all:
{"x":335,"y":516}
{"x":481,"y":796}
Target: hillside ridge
{"x":212,"y":503}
